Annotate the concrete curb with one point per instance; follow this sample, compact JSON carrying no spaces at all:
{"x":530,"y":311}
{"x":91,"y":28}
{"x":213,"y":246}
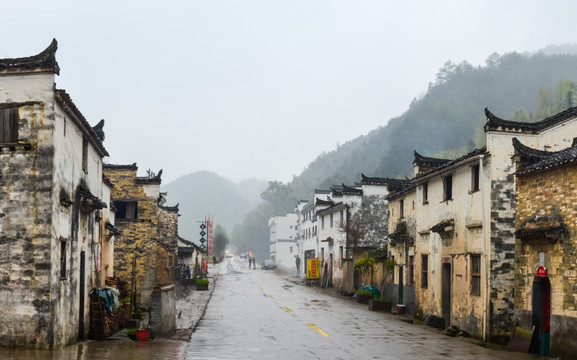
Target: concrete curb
{"x":191,"y":306}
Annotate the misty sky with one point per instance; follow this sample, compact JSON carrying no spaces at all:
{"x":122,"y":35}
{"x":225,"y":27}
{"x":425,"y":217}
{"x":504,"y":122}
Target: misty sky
{"x":258,"y":89}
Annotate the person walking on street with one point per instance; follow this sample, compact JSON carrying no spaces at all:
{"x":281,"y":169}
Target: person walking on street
{"x":214,"y":260}
{"x":298,"y":264}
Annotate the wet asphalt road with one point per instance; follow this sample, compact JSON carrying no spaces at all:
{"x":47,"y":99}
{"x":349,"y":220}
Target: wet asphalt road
{"x":256,"y":314}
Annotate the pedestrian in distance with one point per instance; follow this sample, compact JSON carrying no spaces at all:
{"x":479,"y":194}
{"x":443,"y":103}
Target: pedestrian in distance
{"x":298,"y":264}
{"x":188,"y":272}
{"x":214,"y":260}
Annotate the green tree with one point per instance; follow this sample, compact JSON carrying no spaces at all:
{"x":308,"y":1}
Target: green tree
{"x":219,"y":241}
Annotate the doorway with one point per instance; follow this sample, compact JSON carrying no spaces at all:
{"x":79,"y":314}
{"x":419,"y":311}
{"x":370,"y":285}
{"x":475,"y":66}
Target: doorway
{"x":400,"y":295}
{"x":541,"y":315}
{"x":331,"y":270}
{"x":81,"y":300}
{"x":446,"y":293}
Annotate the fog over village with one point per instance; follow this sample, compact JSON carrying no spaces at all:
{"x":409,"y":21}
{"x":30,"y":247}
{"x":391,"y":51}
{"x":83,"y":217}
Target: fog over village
{"x":154,"y":156}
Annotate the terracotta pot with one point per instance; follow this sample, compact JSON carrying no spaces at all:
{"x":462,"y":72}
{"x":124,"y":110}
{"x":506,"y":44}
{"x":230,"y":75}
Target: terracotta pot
{"x":142,"y":335}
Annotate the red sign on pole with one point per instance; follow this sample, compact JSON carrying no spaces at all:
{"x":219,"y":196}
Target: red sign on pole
{"x":541,"y":271}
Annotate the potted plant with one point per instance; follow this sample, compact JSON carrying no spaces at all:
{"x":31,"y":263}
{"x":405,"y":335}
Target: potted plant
{"x":363,"y":296}
{"x":365,"y":266}
{"x":131,"y":333}
{"x":143,"y":334}
{"x":380,"y":304}
{"x":202,"y":284}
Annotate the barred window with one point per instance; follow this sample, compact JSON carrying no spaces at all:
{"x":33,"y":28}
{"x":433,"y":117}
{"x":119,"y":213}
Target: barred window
{"x":424,"y":271}
{"x":476,"y":274}
{"x":9,"y":125}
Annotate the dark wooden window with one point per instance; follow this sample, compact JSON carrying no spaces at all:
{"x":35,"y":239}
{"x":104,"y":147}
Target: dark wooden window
{"x":401,"y":208}
{"x":126,"y":209}
{"x":85,"y":154}
{"x":476,"y":274}
{"x":63,"y":259}
{"x":448,"y":185}
{"x":9,"y":125}
{"x":424,"y":271}
{"x":425,"y":193}
{"x":392,"y":272}
{"x":474,"y":178}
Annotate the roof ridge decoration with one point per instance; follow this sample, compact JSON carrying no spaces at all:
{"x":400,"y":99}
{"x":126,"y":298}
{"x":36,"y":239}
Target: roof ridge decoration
{"x":424,"y":161}
{"x":99,"y":130}
{"x":64,"y":100}
{"x":132,"y":166}
{"x":495,"y":123}
{"x":552,"y":160}
{"x":351,"y":190}
{"x":321,"y":202}
{"x":401,"y":190}
{"x":382,"y":180}
{"x":453,"y":162}
{"x":170,"y":208}
{"x":42,"y":62}
{"x":529,"y":154}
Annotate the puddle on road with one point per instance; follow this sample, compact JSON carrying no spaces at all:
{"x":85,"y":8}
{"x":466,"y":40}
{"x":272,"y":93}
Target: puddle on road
{"x":104,"y":350}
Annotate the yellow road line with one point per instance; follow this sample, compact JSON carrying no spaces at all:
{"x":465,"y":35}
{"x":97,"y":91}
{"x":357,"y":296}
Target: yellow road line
{"x":287,"y":309}
{"x":319,"y":330}
{"x":270,"y":296}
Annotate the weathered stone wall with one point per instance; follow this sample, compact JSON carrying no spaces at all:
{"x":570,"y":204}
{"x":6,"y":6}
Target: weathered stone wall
{"x":545,"y":194}
{"x":165,"y":265}
{"x":502,"y":256}
{"x":402,"y":248}
{"x":168,"y":241}
{"x":455,"y":246}
{"x":163,"y":317}
{"x":41,"y":210}
{"x":26,"y":258}
{"x":136,"y":247}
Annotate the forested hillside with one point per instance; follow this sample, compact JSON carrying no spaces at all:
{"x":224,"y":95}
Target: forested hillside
{"x":205,"y":193}
{"x":447,"y":121}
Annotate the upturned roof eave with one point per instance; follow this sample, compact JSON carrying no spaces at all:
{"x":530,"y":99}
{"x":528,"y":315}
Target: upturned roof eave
{"x":44,"y":62}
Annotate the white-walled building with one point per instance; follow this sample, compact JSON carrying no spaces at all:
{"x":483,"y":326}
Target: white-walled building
{"x":333,"y":240}
{"x":283,"y":240}
{"x":53,"y":222}
{"x":308,"y":240}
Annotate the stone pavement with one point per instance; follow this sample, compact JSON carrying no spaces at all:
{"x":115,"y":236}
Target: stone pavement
{"x":191,"y":305}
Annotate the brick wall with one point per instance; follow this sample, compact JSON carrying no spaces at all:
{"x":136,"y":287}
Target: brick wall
{"x":545,"y":194}
{"x":136,"y":247}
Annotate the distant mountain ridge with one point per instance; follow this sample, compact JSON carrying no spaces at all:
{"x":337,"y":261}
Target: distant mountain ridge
{"x":446,"y":122}
{"x":204,"y":193}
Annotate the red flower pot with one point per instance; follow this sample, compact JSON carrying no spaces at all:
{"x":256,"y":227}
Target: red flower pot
{"x":142,"y":335}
